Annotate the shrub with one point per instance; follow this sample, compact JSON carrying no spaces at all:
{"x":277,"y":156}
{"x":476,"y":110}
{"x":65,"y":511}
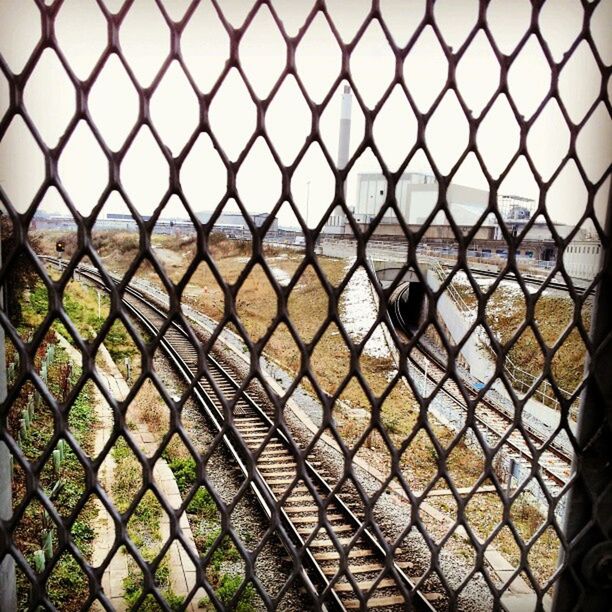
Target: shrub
{"x":184,"y":471}
{"x":228,"y":587}
{"x":203,"y":504}
{"x":225,"y":551}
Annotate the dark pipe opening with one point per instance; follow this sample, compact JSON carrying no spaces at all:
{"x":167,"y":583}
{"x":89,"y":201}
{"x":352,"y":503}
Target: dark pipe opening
{"x":406,"y":306}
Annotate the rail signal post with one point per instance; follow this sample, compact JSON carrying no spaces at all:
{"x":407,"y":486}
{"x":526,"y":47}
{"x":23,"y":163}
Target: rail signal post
{"x":60,"y":247}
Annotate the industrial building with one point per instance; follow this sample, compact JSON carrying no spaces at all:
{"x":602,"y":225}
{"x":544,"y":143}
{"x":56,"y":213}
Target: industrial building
{"x":416,"y":194}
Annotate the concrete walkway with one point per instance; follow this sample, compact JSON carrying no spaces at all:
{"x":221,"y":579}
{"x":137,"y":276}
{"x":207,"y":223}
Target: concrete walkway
{"x":182,"y":569}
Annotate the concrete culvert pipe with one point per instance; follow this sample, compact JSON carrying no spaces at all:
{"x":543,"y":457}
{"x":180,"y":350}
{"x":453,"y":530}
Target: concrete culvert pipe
{"x":406,"y":305}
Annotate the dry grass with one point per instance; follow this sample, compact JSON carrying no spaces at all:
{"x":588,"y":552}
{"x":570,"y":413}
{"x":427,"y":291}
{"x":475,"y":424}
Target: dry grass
{"x":127,"y":476}
{"x":484,"y":514}
{"x":554,"y":314}
{"x":149,"y":408}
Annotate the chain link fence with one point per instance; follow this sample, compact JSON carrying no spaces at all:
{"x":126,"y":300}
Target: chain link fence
{"x":201,"y":415}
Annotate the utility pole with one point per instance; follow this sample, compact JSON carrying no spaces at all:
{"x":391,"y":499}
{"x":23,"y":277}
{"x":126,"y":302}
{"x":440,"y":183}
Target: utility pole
{"x":8,"y":590}
{"x":307,"y":200}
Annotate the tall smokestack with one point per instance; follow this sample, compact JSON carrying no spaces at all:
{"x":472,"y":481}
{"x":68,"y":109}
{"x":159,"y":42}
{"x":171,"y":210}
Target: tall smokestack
{"x":345,"y":127}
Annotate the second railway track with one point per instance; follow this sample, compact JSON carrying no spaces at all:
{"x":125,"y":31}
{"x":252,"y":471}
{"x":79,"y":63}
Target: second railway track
{"x":531,"y":448}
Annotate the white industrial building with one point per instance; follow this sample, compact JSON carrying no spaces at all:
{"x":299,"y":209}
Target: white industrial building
{"x":416,"y":195}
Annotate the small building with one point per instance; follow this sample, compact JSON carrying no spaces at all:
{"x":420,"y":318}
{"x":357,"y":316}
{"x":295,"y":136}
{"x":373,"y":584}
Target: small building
{"x":582,"y":258}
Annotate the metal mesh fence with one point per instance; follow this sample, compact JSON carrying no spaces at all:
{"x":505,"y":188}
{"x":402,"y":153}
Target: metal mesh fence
{"x":312,"y":480}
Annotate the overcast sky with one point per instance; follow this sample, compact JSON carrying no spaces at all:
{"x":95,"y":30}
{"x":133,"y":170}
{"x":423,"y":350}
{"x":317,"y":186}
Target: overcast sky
{"x":113,"y":102}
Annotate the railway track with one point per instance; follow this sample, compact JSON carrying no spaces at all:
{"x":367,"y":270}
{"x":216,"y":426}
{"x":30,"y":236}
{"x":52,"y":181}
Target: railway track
{"x":530,"y":279}
{"x":532,"y":451}
{"x":496,"y":424}
{"x":328,"y":537}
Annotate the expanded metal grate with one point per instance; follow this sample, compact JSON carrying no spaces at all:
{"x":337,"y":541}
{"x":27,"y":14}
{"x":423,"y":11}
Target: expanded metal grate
{"x":433,"y":554}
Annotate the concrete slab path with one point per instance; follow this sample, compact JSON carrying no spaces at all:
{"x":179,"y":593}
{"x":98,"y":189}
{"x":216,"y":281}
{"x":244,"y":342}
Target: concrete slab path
{"x":182,"y":569}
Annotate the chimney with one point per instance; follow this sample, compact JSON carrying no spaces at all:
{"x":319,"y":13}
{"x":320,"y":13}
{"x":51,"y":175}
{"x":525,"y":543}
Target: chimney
{"x":345,"y":127}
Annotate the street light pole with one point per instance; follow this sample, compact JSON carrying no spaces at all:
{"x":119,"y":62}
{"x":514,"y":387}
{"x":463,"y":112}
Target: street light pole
{"x":307,"y":201}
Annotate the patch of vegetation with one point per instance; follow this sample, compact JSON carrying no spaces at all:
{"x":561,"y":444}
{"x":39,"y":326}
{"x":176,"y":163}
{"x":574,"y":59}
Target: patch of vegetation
{"x":67,"y":586}
{"x":225,"y":551}
{"x":203,"y":517}
{"x":184,"y":470}
{"x":64,"y":482}
{"x":132,"y":585}
{"x":81,"y":305}
{"x":227,"y":589}
{"x":127,"y":475}
{"x":34,"y":306}
{"x":121,"y":346}
{"x":226,"y":584}
{"x":203,"y":505}
{"x":108,"y":243}
{"x":485,"y":511}
{"x":148,"y":408}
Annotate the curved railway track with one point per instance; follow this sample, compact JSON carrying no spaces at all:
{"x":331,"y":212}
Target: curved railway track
{"x":533,"y":450}
{"x":530,"y":279}
{"x":282,"y":485}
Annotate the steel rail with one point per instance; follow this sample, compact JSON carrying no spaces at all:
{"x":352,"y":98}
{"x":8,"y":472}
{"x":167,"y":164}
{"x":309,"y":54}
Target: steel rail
{"x":528,"y":279}
{"x":233,"y":443}
{"x":475,"y":396}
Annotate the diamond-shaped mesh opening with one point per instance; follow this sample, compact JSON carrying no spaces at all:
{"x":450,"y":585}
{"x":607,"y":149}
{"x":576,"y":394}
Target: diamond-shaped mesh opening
{"x":305,"y":304}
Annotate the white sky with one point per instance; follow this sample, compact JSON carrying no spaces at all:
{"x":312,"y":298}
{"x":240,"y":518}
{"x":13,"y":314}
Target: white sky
{"x":113,"y":103}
